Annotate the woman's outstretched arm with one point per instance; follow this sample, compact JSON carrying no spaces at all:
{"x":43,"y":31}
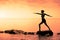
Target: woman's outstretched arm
{"x":38,"y":13}
{"x":48,"y":15}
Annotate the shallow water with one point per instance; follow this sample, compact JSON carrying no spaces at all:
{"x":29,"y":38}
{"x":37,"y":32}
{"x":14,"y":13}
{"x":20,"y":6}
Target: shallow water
{"x":27,"y":37}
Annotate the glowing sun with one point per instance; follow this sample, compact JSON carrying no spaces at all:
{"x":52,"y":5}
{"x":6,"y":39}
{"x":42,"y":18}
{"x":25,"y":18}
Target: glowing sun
{"x":2,"y":15}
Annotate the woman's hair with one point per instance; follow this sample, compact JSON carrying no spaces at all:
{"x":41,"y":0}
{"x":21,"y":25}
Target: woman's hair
{"x":42,"y":10}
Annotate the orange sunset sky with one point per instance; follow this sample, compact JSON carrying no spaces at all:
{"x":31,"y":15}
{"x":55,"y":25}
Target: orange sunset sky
{"x":19,"y":14}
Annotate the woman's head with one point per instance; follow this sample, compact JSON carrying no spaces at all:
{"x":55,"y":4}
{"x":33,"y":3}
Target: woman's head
{"x":42,"y":11}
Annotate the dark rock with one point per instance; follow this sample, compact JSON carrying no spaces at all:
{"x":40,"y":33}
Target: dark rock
{"x":1,"y":31}
{"x":31,"y":33}
{"x":25,"y":33}
{"x":14,"y":31}
{"x":58,"y":33}
{"x":45,"y":33}
{"x":10,"y":32}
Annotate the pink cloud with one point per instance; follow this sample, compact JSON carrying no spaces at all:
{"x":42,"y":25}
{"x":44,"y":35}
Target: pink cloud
{"x":36,"y":1}
{"x":57,"y":2}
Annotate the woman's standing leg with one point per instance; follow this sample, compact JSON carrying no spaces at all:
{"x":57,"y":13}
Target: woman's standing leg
{"x":40,"y":26}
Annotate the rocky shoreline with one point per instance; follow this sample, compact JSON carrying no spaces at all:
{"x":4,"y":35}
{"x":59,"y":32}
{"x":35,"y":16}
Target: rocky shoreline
{"x":17,"y":32}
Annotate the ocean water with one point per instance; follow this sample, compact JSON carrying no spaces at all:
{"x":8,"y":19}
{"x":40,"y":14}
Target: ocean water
{"x":4,"y":36}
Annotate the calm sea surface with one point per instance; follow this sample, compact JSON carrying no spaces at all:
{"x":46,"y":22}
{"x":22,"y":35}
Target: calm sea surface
{"x":4,"y":36}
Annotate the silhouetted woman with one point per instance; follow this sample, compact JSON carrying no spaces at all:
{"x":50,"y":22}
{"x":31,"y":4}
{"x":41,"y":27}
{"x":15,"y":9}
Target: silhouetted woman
{"x":43,"y":19}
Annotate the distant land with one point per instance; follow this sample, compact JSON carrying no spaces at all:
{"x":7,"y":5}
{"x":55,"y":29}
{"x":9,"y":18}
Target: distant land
{"x":12,"y":31}
{"x":16,"y":32}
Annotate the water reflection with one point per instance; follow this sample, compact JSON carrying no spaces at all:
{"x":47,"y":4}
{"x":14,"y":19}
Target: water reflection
{"x":45,"y":37}
{"x":28,"y":37}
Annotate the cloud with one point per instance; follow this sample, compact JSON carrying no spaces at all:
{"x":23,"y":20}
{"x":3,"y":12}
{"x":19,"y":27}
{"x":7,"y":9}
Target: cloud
{"x":57,"y":2}
{"x":36,"y":1}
